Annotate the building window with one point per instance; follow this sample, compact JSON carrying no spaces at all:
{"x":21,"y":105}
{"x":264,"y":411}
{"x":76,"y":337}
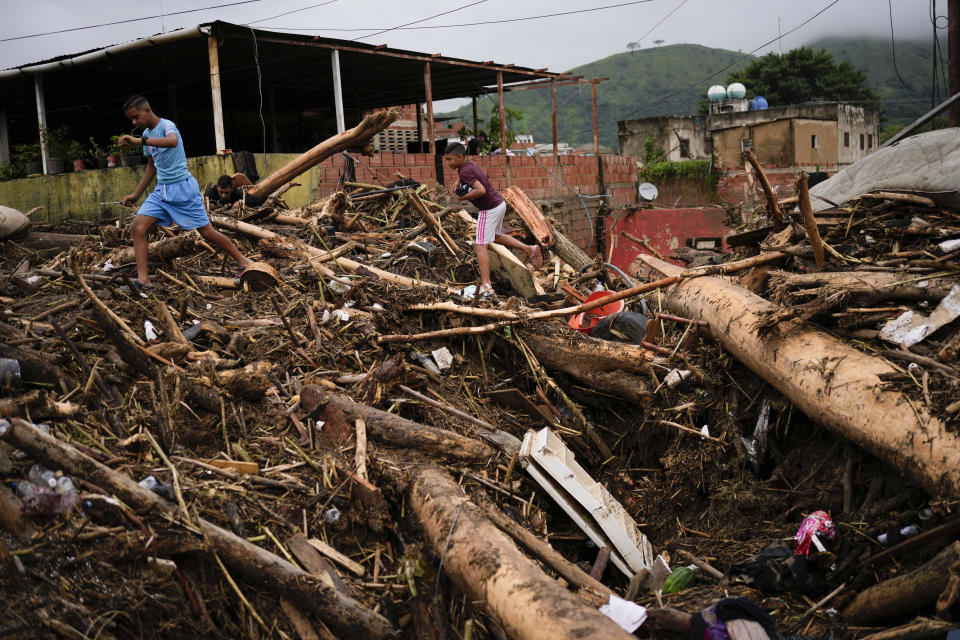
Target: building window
{"x":869,"y":141}
{"x":861,"y":141}
{"x":746,"y":143}
{"x":846,"y":138}
{"x":813,"y":142}
{"x":684,"y":148}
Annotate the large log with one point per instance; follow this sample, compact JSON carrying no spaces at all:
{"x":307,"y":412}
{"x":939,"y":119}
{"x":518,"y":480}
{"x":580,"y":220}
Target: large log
{"x":530,"y":213}
{"x":867,"y":286}
{"x":590,"y":354}
{"x":162,"y":250}
{"x":901,"y":596}
{"x":487,"y":566}
{"x":345,"y":615}
{"x":569,"y":252}
{"x":398,"y":431}
{"x":371,"y":125}
{"x":830,"y":381}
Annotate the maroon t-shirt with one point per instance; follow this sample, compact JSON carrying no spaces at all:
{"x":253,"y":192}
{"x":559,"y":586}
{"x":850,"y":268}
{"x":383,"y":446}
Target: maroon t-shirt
{"x":470,"y":173}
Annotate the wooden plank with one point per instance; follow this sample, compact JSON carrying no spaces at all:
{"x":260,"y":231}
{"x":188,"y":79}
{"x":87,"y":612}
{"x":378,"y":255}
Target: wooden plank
{"x":337,"y":557}
{"x":236,"y":466}
{"x":314,"y":563}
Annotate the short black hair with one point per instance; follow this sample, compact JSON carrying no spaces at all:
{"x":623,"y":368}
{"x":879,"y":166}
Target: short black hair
{"x":135,"y":102}
{"x":225,"y":182}
{"x":455,"y":149}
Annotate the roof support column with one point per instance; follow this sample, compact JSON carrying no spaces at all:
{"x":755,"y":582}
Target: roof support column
{"x":216,"y":97}
{"x":41,"y":118}
{"x":419,"y":129}
{"x":4,"y":138}
{"x":553,"y":109}
{"x":476,"y":120}
{"x":504,"y":147}
{"x":596,"y":137}
{"x":337,"y":90}
{"x":428,"y":93}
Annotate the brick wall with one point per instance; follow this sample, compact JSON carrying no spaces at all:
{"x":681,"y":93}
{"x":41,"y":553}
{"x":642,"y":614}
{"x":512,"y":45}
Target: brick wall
{"x":532,"y":175}
{"x":733,"y":187}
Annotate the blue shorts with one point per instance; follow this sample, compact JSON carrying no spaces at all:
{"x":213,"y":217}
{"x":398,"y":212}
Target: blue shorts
{"x":179,"y":202}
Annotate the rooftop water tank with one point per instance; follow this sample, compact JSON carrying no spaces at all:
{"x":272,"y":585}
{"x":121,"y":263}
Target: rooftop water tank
{"x":716,"y":92}
{"x":759,"y":103}
{"x":736,"y":91}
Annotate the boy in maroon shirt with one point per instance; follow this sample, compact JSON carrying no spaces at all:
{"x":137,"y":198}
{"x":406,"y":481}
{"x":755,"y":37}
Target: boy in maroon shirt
{"x":476,"y":187}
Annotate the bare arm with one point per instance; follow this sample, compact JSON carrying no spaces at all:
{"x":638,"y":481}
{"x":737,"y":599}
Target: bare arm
{"x":166,"y":142}
{"x":147,"y":178}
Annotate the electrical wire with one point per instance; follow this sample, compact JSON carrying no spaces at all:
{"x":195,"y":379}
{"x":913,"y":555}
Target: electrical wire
{"x":466,"y":24}
{"x":661,"y":21}
{"x":893,"y":46}
{"x":436,"y":15}
{"x":280,"y":15}
{"x":108,"y":24}
{"x":721,"y":70}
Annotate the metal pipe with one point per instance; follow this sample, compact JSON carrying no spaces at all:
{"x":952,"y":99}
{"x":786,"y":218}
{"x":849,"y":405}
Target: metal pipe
{"x":41,"y":119}
{"x":173,"y":36}
{"x":215,"y":95}
{"x":504,"y":147}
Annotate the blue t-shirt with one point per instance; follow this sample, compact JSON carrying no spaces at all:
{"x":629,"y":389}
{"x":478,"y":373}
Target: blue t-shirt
{"x":171,"y":162}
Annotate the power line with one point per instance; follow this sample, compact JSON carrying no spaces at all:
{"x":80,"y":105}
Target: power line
{"x":662,"y":20}
{"x":108,"y":24}
{"x":893,"y":46}
{"x":464,"y":24}
{"x":436,"y":15}
{"x":719,"y":71}
{"x":279,"y":15}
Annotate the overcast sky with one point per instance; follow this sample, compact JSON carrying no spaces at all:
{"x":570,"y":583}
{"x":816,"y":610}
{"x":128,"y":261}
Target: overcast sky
{"x":558,"y":43}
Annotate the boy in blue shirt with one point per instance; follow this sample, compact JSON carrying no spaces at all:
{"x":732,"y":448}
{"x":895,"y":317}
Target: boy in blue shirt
{"x":176,"y":197}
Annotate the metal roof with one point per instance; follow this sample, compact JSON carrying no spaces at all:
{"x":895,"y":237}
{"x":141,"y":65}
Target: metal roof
{"x":294,"y":72}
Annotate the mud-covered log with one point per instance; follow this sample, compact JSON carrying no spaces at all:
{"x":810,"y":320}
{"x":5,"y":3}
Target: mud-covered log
{"x":267,"y":570}
{"x":530,"y":213}
{"x":913,"y":592}
{"x":392,"y":429}
{"x":486,"y":565}
{"x":831,"y":382}
{"x":589,"y":354}
{"x":161,"y":250}
{"x":867,"y":286}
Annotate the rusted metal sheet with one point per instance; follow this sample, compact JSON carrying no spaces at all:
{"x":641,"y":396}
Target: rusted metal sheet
{"x":665,"y":230}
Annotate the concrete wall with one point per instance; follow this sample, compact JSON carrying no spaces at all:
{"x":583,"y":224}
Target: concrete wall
{"x":772,"y":142}
{"x":76,"y":195}
{"x":666,"y":132}
{"x":855,"y":122}
{"x":825,"y":153}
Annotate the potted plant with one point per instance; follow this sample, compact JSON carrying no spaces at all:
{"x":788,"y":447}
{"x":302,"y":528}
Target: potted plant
{"x":98,"y":153}
{"x":56,"y":141}
{"x":130,"y":155}
{"x":28,"y":157}
{"x":75,"y":152}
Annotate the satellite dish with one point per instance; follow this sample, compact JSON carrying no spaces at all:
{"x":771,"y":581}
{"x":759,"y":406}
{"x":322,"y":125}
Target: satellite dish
{"x":648,"y":192}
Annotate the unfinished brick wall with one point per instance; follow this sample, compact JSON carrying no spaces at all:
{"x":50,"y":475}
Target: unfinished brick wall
{"x":532,"y":175}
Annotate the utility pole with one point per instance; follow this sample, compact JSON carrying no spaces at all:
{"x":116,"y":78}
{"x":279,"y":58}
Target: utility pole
{"x":953,"y":57}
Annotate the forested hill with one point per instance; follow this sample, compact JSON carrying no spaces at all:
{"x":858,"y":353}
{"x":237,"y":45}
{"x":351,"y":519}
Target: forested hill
{"x":671,"y":80}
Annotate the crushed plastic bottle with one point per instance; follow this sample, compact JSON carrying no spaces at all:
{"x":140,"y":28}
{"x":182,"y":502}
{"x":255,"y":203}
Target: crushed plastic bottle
{"x":331,"y":515}
{"x":41,"y":501}
{"x":42,"y":477}
{"x":163,"y":490}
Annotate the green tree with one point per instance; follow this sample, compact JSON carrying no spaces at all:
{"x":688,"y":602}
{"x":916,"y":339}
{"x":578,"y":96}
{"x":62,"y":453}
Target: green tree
{"x":513,"y":118}
{"x":802,"y":75}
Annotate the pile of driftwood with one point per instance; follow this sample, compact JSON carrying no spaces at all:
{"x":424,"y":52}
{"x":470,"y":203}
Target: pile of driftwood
{"x":334,"y":453}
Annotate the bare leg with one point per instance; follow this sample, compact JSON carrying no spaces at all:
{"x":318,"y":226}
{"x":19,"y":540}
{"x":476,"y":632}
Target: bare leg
{"x":532,"y":251}
{"x":141,"y":224}
{"x":483,"y":263}
{"x":222,"y":241}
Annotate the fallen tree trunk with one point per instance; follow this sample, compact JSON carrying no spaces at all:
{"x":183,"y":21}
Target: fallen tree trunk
{"x":912,"y":592}
{"x":531,"y":215}
{"x":590,"y":354}
{"x":345,"y":615}
{"x":162,"y":250}
{"x":398,"y":431}
{"x":868,"y":286}
{"x":487,"y":566}
{"x":829,"y":381}
{"x":569,"y":252}
{"x":371,"y":125}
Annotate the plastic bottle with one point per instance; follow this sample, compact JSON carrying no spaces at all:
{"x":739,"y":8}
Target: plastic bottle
{"x":907,"y":532}
{"x":331,"y":515}
{"x":41,"y":476}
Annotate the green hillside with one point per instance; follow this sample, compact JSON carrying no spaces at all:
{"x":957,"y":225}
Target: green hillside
{"x":901,"y":104}
{"x":640,"y":82}
{"x":637,"y":79}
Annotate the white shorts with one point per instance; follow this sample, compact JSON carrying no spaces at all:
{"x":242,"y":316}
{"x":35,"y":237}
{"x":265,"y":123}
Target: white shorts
{"x":490,"y":223}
